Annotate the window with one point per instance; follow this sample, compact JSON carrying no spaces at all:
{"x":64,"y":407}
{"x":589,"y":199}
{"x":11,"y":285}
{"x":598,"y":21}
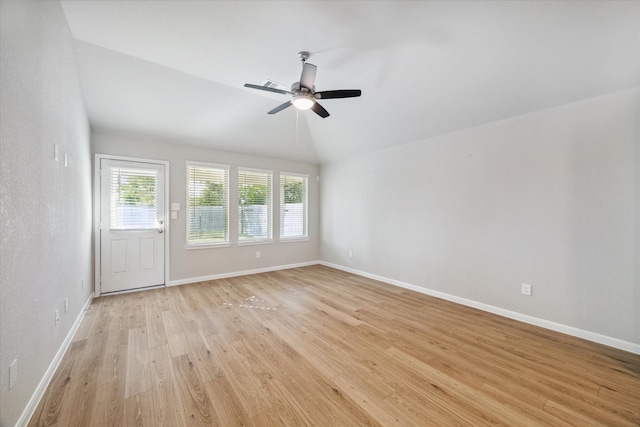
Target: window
{"x":133,"y":198}
{"x":293,"y":206}
{"x":254,"y":205}
{"x":207,"y":204}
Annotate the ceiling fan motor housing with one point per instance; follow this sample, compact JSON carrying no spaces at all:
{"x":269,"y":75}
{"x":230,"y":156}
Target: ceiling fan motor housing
{"x":296,"y":89}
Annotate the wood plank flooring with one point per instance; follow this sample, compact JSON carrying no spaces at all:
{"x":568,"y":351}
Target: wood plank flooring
{"x":318,"y":346}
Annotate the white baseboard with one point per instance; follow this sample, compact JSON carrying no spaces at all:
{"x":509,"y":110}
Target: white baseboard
{"x":240,"y":273}
{"x":48,"y":375}
{"x":558,"y":327}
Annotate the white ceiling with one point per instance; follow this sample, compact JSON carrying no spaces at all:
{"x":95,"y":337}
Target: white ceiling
{"x":176,"y":69}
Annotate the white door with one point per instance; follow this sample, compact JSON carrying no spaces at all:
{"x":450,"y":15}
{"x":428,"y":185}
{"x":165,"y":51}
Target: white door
{"x":131,"y":225}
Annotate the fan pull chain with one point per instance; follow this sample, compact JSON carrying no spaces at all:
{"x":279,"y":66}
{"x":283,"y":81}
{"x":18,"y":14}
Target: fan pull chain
{"x":297,"y":133}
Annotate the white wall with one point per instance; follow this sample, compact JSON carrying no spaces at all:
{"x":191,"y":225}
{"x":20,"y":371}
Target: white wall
{"x":550,"y":198}
{"x":187,"y":265}
{"x":45,"y":216}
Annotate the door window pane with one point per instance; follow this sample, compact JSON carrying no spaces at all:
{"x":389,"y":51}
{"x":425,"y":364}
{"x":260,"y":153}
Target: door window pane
{"x":134,"y":196}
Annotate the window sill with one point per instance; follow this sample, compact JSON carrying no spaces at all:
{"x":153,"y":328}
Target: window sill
{"x":194,"y":246}
{"x":255,"y":242}
{"x":293,"y":239}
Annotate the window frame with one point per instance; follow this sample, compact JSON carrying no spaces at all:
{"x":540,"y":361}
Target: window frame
{"x":269,"y":222}
{"x":226,"y":170}
{"x":305,"y":236}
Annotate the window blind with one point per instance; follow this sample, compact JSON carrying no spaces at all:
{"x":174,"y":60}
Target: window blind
{"x":254,"y":210}
{"x":293,"y":206}
{"x":134,"y":196}
{"x":207,"y":203}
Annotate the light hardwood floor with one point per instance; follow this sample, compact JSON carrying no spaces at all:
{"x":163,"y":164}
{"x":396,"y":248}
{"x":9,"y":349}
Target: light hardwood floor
{"x":317,"y":346}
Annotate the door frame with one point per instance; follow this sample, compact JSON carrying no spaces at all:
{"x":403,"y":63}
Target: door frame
{"x":97,"y":199}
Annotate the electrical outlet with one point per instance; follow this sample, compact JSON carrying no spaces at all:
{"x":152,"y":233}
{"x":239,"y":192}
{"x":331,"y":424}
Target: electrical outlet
{"x":258,"y":254}
{"x":526,"y":289}
{"x":13,"y":374}
{"x":66,"y":305}
{"x":350,"y":254}
{"x":57,"y":317}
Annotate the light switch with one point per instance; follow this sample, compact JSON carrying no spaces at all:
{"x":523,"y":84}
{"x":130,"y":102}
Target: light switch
{"x":175,"y":207}
{"x":174,"y":215}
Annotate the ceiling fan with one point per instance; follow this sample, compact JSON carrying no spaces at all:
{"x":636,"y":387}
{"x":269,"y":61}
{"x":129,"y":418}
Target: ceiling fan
{"x":304,"y":93}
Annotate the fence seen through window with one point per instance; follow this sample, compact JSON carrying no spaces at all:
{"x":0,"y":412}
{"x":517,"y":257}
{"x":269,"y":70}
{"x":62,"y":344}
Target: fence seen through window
{"x":207,"y":204}
{"x":293,"y":206}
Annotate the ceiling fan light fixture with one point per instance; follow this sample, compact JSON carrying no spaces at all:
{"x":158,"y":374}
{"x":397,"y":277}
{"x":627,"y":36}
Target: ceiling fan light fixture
{"x":303,"y":102}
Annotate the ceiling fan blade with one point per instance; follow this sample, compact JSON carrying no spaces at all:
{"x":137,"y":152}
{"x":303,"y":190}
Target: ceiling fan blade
{"x":319,"y":110}
{"x":308,"y":76}
{"x":280,"y":107}
{"x":332,"y":94}
{"x":268,"y":89}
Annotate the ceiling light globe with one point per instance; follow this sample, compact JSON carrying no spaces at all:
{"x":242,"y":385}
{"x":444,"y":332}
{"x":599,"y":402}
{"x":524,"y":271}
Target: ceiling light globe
{"x":303,"y":102}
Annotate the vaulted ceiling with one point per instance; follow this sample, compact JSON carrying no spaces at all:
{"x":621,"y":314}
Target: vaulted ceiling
{"x":176,"y":69}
